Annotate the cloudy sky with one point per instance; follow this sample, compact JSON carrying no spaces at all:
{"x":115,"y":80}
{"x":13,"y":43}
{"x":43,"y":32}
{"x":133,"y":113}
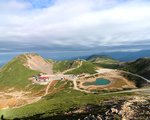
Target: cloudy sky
{"x":74,"y":25}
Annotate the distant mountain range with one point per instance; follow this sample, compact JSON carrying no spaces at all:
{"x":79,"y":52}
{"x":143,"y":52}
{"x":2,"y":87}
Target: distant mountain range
{"x":72,"y":55}
{"x":119,"y":55}
{"x":129,"y":56}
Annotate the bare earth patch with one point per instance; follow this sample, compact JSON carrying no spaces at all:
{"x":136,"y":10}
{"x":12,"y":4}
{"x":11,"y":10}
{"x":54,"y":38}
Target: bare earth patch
{"x":37,"y":63}
{"x":16,"y":99}
{"x":117,"y":81}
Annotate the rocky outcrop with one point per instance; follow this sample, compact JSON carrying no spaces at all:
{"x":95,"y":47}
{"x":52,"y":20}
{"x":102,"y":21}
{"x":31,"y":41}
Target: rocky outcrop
{"x":135,"y":108}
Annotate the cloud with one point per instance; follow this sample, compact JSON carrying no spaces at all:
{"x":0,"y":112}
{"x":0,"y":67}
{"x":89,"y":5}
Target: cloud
{"x":13,"y":5}
{"x":84,"y":23}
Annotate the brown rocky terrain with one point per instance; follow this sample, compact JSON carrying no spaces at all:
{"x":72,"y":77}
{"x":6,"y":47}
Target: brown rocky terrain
{"x":131,"y":108}
{"x":36,"y":62}
{"x":16,"y":99}
{"x":118,"y":82}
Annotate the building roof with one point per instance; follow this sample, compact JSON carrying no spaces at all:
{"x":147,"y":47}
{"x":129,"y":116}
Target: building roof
{"x":43,"y":77}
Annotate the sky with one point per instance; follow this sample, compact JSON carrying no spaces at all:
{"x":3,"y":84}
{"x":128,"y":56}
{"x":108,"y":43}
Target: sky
{"x":74,"y":25}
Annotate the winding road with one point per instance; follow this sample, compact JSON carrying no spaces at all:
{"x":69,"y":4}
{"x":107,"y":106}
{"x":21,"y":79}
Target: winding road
{"x":126,"y":91}
{"x":137,"y":76}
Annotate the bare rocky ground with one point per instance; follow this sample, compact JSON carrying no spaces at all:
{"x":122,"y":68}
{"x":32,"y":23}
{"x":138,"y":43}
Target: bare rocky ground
{"x":127,"y":108}
{"x":35,"y":62}
{"x":14,"y":99}
{"x":118,"y":82}
{"x":132,"y":108}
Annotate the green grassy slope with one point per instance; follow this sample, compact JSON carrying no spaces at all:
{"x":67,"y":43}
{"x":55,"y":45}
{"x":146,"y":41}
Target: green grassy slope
{"x":57,"y":103}
{"x":15,"y":74}
{"x":101,"y":58}
{"x":87,"y":67}
{"x":140,"y":66}
{"x":104,"y":61}
{"x":61,"y":66}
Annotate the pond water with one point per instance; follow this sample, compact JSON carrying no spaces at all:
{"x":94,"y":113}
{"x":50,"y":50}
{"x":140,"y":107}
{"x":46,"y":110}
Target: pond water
{"x":98,"y":81}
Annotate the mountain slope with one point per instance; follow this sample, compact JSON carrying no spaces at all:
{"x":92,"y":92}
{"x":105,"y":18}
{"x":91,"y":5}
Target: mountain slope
{"x":17,"y":72}
{"x":36,"y":62}
{"x":60,"y":66}
{"x":86,"y":67}
{"x":140,"y":66}
{"x":103,"y":61}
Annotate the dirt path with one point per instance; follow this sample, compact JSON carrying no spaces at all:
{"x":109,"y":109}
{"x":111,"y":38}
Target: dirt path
{"x":75,"y":84}
{"x":76,"y":88}
{"x":47,"y":88}
{"x":128,"y":91}
{"x":138,"y":76}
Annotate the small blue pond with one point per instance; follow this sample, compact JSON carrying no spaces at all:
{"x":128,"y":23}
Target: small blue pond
{"x":98,"y":81}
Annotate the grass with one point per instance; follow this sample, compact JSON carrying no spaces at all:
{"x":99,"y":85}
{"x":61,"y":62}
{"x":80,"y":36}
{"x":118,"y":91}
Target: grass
{"x":138,"y":81}
{"x":101,"y":59}
{"x":59,"y":83}
{"x":87,"y":67}
{"x":58,"y":103}
{"x":108,"y":61}
{"x":61,"y":66}
{"x":66,"y":84}
{"x":107,"y":65}
{"x":104,"y":61}
{"x":140,"y":66}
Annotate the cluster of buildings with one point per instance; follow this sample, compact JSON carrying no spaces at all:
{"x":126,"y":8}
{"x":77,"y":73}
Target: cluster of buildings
{"x":41,"y":78}
{"x":45,"y":78}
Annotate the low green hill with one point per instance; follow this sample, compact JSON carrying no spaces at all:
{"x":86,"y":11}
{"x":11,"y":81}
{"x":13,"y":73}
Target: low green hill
{"x":60,"y":66}
{"x":86,"y":67}
{"x":15,"y":75}
{"x":103,"y":61}
{"x":99,"y":58}
{"x":140,"y":66}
